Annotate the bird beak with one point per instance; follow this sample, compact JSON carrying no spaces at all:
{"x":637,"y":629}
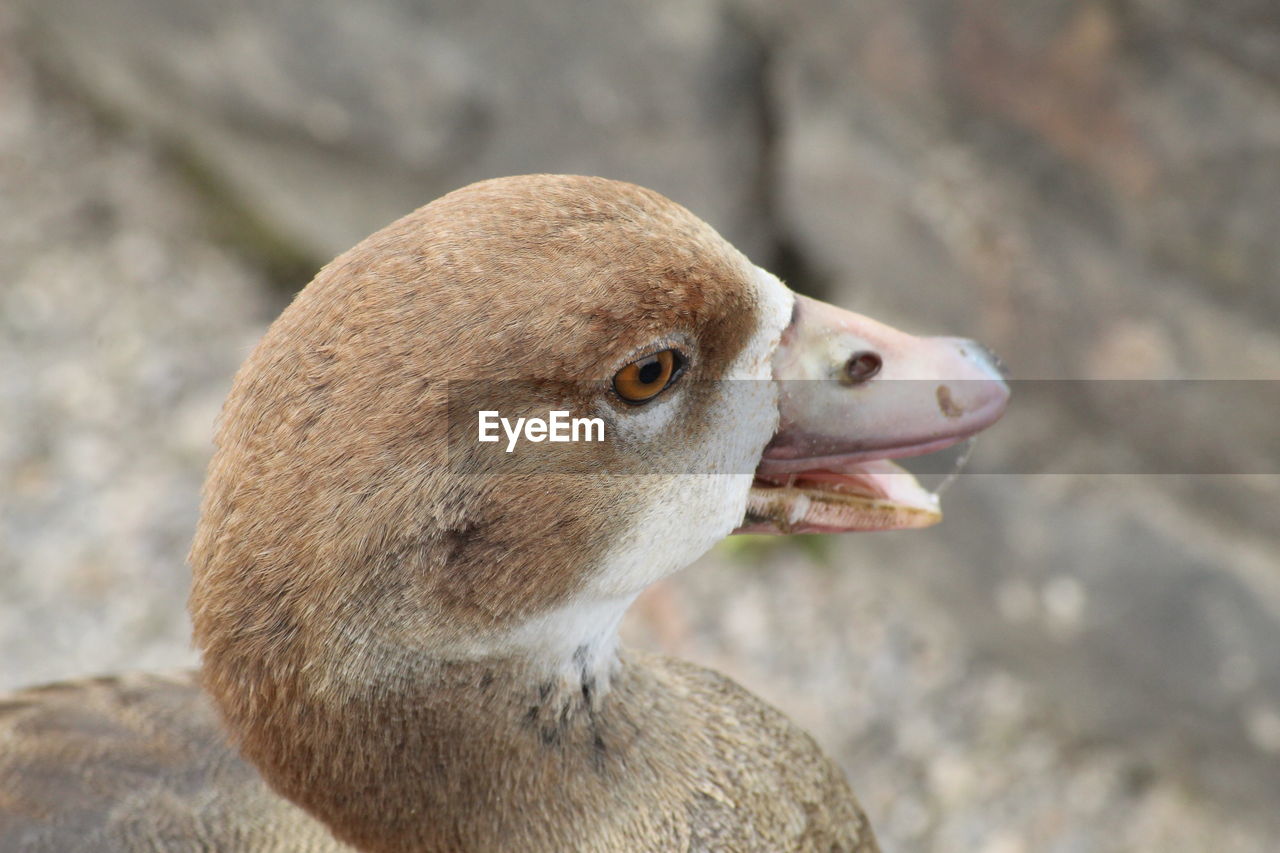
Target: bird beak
{"x":853,"y":394}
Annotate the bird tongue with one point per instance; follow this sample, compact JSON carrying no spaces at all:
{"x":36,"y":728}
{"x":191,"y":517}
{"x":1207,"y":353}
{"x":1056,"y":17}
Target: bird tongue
{"x":871,"y":495}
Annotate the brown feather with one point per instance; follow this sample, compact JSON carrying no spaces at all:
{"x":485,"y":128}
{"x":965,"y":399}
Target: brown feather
{"x":350,"y":552}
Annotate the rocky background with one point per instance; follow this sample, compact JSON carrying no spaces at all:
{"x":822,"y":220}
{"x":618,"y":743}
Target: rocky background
{"x":1076,"y":660}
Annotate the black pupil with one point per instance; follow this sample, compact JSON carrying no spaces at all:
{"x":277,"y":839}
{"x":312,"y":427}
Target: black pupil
{"x":651,"y":371}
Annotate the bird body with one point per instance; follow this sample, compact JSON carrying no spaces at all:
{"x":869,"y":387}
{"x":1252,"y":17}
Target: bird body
{"x":409,"y":636}
{"x":141,"y":762}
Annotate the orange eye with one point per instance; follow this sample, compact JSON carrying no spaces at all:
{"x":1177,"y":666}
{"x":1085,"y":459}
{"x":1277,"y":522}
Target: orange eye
{"x":643,"y":379}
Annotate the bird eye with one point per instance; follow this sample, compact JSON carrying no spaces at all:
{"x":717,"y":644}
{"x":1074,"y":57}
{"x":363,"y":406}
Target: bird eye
{"x":643,"y":379}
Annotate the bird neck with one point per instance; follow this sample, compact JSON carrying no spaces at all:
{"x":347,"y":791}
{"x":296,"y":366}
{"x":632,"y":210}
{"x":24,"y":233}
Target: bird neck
{"x":408,"y":751}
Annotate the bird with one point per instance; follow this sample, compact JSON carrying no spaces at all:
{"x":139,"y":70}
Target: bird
{"x":409,"y":636}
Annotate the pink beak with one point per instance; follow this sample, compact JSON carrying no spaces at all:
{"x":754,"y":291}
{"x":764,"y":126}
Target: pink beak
{"x":928,"y":393}
{"x":855,"y":393}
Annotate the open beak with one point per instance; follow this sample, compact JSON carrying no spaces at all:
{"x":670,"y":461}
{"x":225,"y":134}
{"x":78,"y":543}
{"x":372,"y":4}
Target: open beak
{"x":853,"y":395}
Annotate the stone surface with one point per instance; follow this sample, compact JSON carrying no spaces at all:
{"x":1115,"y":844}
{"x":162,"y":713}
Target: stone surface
{"x":1090,"y":189}
{"x":331,"y":119}
{"x":120,"y":327}
{"x":1074,"y":660}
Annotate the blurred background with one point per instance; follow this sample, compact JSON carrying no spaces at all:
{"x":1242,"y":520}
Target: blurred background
{"x":1070,"y":662}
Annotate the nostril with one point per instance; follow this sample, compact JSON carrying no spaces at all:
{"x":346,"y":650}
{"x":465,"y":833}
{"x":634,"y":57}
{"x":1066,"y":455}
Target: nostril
{"x":861,"y":366}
